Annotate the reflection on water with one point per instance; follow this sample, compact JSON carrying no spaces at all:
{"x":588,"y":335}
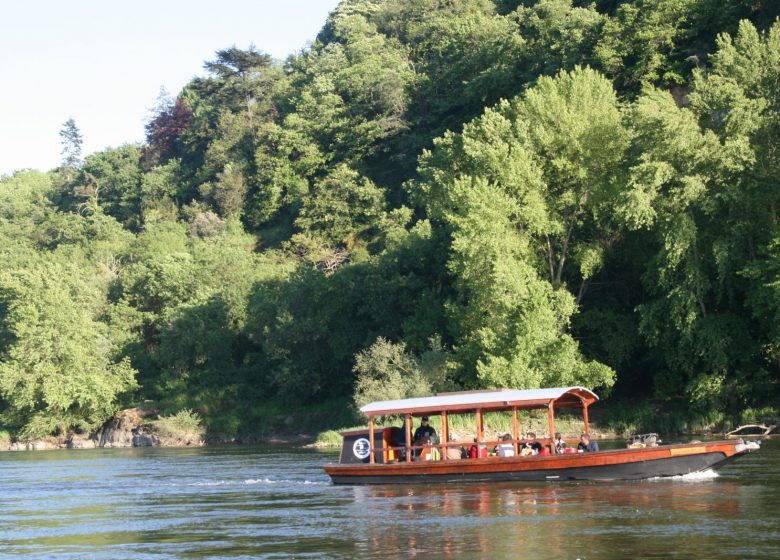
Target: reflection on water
{"x":276,"y":502}
{"x":562,"y":520}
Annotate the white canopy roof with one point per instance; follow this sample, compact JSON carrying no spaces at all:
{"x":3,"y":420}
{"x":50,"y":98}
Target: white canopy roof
{"x":472,"y":400}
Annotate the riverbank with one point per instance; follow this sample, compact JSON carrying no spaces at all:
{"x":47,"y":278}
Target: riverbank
{"x":320,"y":426}
{"x":145,"y":427}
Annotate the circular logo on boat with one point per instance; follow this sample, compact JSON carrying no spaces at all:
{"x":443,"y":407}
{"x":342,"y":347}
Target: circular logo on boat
{"x":361,"y":448}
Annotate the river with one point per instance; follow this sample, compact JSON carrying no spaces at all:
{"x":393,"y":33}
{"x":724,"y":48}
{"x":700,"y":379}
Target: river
{"x":275,"y":502}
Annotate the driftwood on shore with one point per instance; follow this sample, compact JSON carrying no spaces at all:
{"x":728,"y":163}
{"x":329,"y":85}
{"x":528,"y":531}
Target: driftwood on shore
{"x":766,"y":430}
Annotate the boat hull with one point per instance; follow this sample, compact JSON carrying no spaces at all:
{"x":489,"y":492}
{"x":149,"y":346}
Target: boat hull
{"x":622,"y":464}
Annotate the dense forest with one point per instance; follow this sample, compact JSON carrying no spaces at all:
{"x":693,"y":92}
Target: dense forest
{"x":435,"y":195}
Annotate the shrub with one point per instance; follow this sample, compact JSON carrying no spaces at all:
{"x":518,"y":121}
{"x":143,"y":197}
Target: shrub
{"x":5,"y":440}
{"x":329,"y":438}
{"x":386,"y":371}
{"x":184,"y":424}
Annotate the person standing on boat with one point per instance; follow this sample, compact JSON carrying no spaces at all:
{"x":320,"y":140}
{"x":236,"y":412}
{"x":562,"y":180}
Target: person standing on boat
{"x":585,"y":445}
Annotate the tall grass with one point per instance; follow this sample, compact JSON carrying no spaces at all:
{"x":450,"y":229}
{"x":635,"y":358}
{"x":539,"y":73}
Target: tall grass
{"x":632,"y":417}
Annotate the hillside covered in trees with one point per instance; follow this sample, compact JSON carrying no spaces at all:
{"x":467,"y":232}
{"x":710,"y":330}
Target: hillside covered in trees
{"x":436,"y":195}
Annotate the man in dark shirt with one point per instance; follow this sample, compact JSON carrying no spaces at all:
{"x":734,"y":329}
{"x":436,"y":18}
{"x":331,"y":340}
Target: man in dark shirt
{"x":586,"y":445}
{"x":422,"y":435}
{"x":424,"y":430}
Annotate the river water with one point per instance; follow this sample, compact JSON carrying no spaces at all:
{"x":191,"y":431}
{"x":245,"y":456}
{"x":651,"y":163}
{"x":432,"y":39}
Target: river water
{"x":275,"y":502}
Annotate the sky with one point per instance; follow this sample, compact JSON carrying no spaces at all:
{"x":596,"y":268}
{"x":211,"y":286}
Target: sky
{"x":102,"y":62}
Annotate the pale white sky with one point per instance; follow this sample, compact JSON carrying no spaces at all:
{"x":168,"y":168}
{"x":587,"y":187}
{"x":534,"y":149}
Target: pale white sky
{"x":102,"y":62}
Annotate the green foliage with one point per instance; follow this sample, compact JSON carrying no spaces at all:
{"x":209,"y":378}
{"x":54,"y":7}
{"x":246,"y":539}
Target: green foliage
{"x":160,"y":191}
{"x":455,"y":177}
{"x":59,"y":369}
{"x":386,"y":371}
{"x":24,"y":206}
{"x":520,"y":181}
{"x":698,"y":188}
{"x":358,"y":87}
{"x":340,"y":207}
{"x":558,"y":36}
{"x":639,"y":44}
{"x":111,"y":180}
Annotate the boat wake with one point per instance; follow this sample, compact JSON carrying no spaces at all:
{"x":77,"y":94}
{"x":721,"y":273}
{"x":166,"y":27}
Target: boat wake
{"x":282,"y":481}
{"x":700,"y":476}
{"x":250,"y":481}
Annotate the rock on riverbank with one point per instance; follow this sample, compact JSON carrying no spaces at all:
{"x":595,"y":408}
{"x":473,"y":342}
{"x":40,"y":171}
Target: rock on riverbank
{"x":133,"y":427}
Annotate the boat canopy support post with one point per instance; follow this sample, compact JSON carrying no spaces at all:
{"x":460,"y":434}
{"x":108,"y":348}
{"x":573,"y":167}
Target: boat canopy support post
{"x":445,"y":435}
{"x":371,"y":438}
{"x":480,"y":426}
{"x":551,"y":424}
{"x":585,"y":417}
{"x":515,"y":431}
{"x":408,"y":438}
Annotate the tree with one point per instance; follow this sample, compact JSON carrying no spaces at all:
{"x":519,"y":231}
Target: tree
{"x":228,"y":191}
{"x":639,"y":45}
{"x":558,"y":36}
{"x":349,"y":94}
{"x":341,"y":207}
{"x":557,"y":153}
{"x":386,"y":371}
{"x":71,"y":140}
{"x":111,"y":181}
{"x":165,"y":129}
{"x":59,"y":370}
{"x":576,"y":131}
{"x":509,"y":324}
{"x":529,"y":178}
{"x":248,"y":76}
{"x":286,"y":161}
{"x":703,"y":183}
{"x":71,"y":144}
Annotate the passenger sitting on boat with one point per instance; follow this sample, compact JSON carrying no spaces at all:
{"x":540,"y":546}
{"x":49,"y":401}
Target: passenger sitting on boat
{"x":422,"y":434}
{"x":454,"y":452}
{"x":586,"y":445}
{"x":424,"y":430}
{"x":399,"y":440}
{"x":560,"y":445}
{"x":532,"y":445}
{"x":423,"y":444}
{"x":429,"y":451}
{"x":478,"y":451}
{"x":505,"y":448}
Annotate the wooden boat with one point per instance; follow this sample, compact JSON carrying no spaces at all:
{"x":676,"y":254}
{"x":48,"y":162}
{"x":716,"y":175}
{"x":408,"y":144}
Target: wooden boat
{"x":387,"y":455}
